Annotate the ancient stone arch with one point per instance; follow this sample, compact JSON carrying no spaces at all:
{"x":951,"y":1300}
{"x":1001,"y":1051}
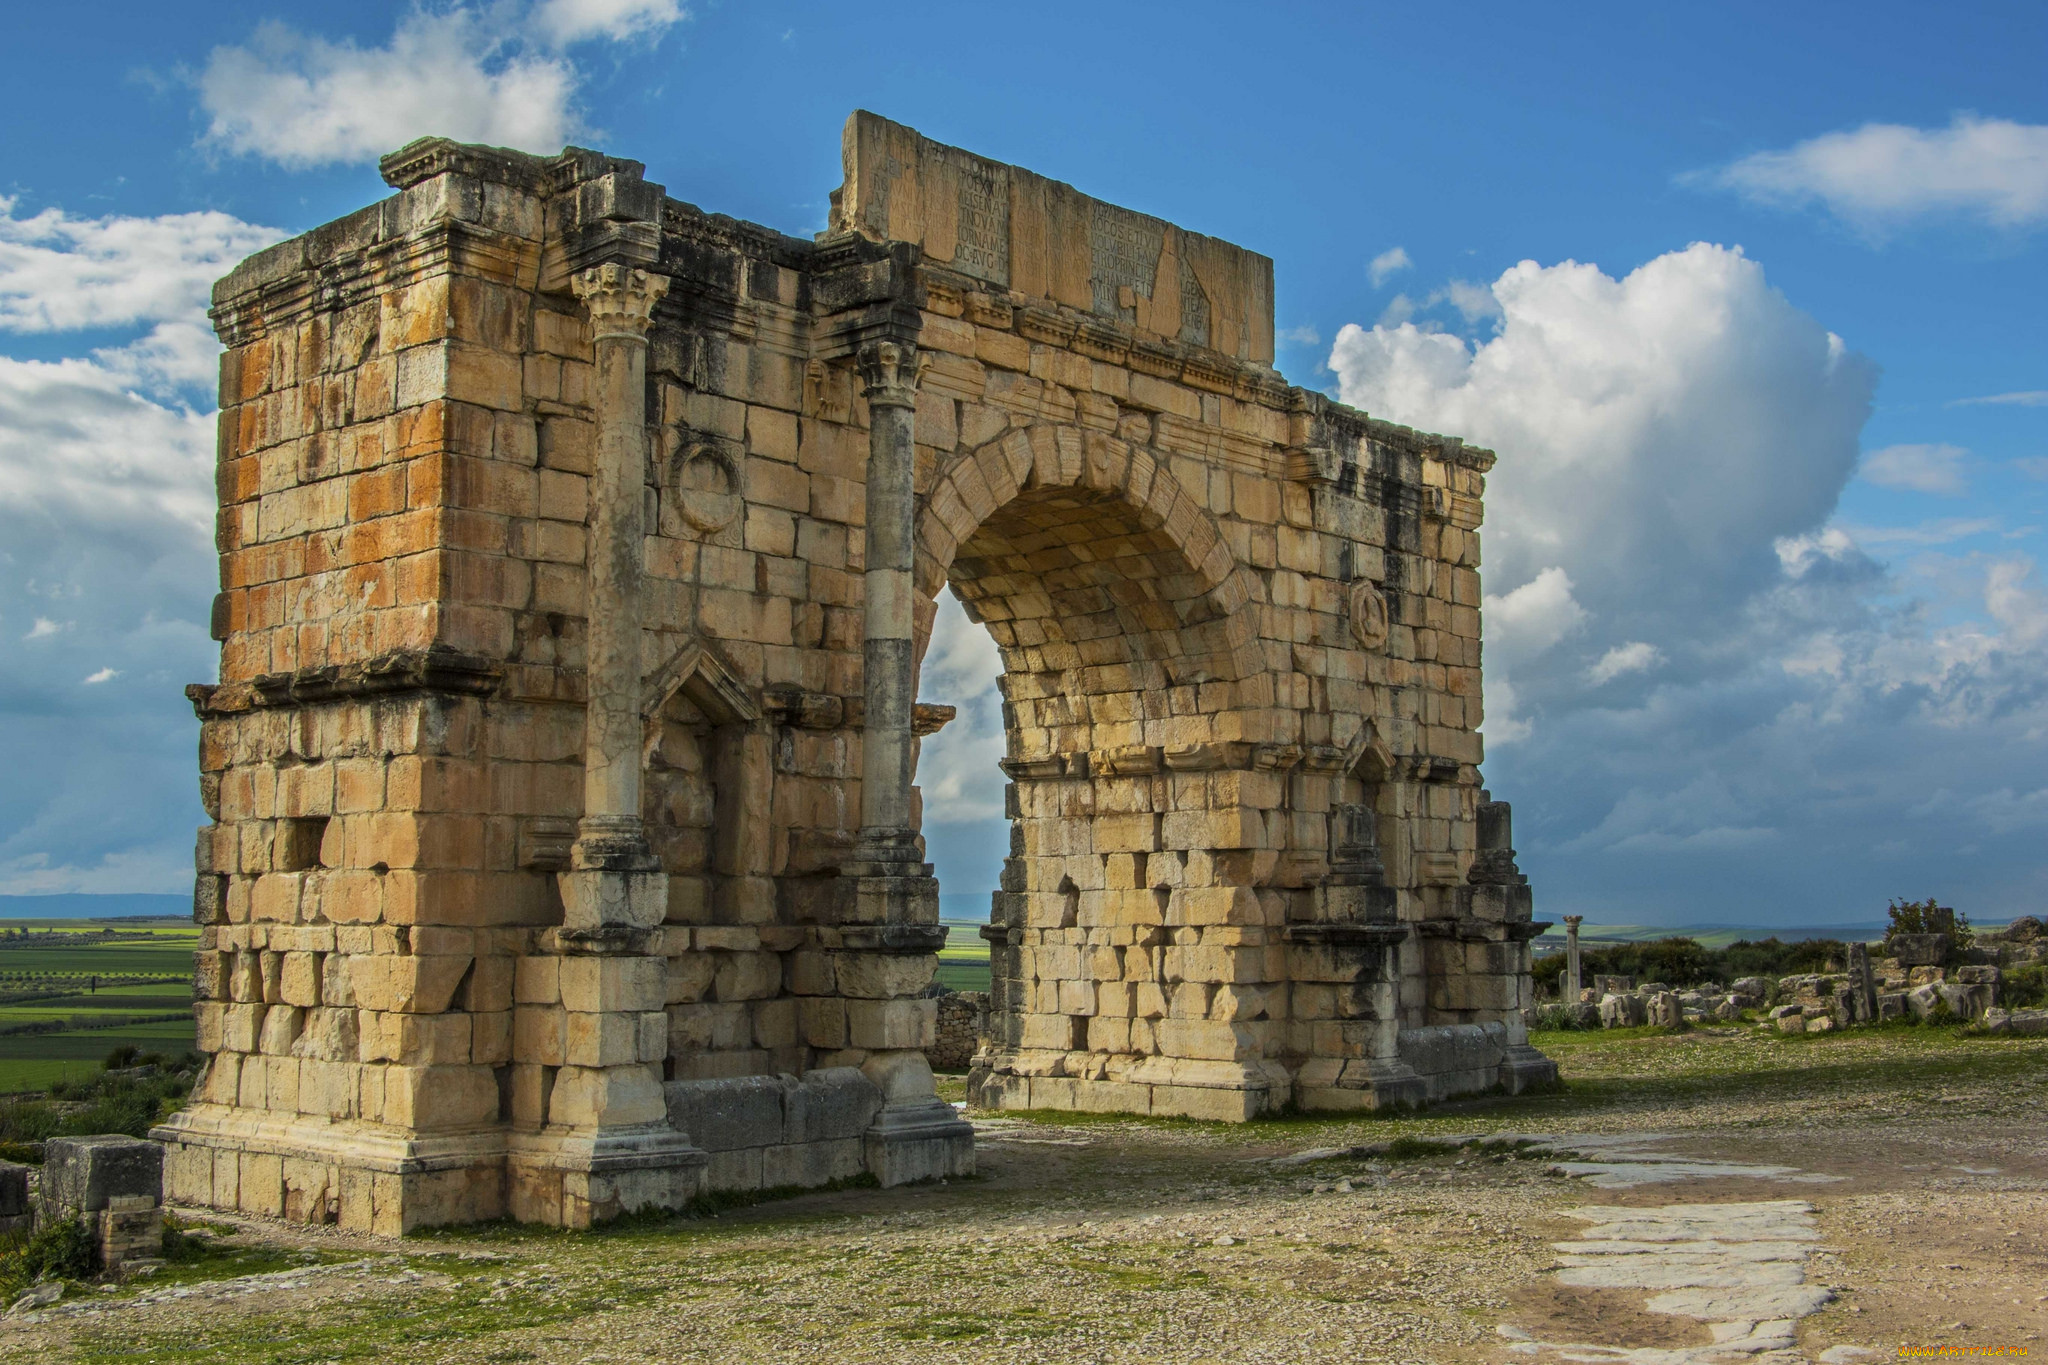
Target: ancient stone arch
{"x":578,"y":549}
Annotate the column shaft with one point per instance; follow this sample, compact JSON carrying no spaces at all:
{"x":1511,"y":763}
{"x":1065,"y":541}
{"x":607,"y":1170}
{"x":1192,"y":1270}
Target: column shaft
{"x":614,"y":882}
{"x":611,"y":768}
{"x":890,"y":675}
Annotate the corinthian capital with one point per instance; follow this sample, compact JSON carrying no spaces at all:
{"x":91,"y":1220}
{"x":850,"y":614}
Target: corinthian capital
{"x":620,"y":298}
{"x":889,"y":371}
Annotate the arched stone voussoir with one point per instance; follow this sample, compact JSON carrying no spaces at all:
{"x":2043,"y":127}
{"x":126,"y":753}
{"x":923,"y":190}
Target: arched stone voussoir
{"x":1047,"y":456}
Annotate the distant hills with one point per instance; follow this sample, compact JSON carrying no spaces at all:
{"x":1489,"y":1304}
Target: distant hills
{"x":966,"y":907}
{"x":1707,"y":935}
{"x":122,"y":905}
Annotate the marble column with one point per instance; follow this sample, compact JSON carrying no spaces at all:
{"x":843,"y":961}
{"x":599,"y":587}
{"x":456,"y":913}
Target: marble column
{"x":1572,"y":985}
{"x":614,"y":883}
{"x":889,"y":380}
{"x":894,"y":913}
{"x":606,"y":1146}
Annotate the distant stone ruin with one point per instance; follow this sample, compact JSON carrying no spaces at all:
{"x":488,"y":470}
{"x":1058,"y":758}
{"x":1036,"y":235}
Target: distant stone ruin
{"x":1922,"y":981}
{"x":578,"y":551}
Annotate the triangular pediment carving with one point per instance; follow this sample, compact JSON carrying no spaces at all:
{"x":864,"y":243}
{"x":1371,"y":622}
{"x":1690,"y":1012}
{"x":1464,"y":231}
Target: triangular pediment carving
{"x":696,"y":671}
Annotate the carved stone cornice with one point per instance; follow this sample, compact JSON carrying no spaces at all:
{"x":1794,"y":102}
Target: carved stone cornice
{"x":620,"y":298}
{"x":437,"y":669}
{"x":889,"y":372}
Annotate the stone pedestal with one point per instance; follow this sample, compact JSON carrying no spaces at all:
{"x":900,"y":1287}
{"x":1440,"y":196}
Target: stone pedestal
{"x":606,"y":1146}
{"x":917,"y":1135}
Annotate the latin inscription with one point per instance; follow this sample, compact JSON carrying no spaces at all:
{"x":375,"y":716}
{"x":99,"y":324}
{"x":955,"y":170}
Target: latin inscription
{"x":982,"y":234}
{"x":1194,"y":307}
{"x":1124,"y":253}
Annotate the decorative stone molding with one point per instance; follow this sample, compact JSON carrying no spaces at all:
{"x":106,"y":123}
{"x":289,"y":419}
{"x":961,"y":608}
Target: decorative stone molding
{"x":889,"y":372}
{"x":620,"y":298}
{"x":705,"y":483}
{"x":1369,"y":625}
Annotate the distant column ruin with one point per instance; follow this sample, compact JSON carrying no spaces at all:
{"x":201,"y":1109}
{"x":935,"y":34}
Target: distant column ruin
{"x":578,"y":552}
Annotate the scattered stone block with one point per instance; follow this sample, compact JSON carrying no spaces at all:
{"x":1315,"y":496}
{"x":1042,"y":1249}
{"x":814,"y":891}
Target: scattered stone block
{"x":2026,"y":1023}
{"x":1662,"y":1009}
{"x":1921,"y":950}
{"x":1622,"y":1011}
{"x":16,"y":1214}
{"x":81,"y":1175}
{"x":131,"y":1233}
{"x":114,"y":1185}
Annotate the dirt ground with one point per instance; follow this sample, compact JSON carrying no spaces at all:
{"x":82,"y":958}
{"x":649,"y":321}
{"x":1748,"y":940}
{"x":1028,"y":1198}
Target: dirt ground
{"x":1922,"y":1154}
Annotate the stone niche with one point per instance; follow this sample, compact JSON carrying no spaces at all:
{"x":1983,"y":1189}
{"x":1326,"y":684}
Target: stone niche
{"x":1252,"y":864}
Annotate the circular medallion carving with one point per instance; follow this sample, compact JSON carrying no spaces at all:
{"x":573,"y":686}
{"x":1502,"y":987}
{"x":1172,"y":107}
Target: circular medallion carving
{"x":706,"y":486}
{"x":1368,"y":614}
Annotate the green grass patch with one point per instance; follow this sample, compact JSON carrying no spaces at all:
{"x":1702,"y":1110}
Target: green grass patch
{"x":963,"y":976}
{"x":163,"y":956}
{"x":481,"y":1305}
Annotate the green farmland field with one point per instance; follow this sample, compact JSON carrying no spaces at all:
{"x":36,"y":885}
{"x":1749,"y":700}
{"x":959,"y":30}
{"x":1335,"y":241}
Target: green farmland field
{"x":963,"y":962}
{"x":103,"y":994}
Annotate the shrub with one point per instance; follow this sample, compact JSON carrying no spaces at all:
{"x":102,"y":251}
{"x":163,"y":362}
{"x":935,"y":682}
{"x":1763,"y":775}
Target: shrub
{"x":1557,"y":1016}
{"x":1769,"y":957}
{"x":2025,"y":988}
{"x":1927,"y":917}
{"x":107,"y":1103}
{"x":64,"y":1251}
{"x":1681,"y":962}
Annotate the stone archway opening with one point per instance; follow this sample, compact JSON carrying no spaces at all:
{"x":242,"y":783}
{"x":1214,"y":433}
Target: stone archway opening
{"x":1114,"y":930}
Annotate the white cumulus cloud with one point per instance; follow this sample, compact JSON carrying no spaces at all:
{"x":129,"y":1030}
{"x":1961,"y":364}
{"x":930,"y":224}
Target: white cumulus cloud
{"x":302,"y":100}
{"x":573,"y":21}
{"x":106,"y":540}
{"x":1668,"y":425}
{"x":1936,"y":468}
{"x":1535,"y":616}
{"x":1881,"y":174}
{"x":1637,"y":656}
{"x":1388,"y":264}
{"x":956,"y":768}
{"x":60,"y":273}
{"x":1710,"y":701}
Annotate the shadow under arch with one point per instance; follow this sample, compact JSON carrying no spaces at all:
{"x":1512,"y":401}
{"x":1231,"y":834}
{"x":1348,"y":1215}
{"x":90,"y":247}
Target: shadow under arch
{"x":1098,"y":577}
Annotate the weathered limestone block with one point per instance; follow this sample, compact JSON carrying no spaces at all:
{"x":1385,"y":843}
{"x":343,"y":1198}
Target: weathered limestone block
{"x":113,"y":1183}
{"x":1623,"y":1011}
{"x":16,"y":1216}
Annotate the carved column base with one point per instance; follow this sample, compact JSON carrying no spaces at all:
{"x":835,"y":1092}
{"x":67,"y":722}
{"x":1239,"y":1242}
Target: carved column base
{"x":889,"y":883}
{"x":613,"y":883}
{"x":917,"y":1135}
{"x":576,"y":1178}
{"x":1363,"y":1083}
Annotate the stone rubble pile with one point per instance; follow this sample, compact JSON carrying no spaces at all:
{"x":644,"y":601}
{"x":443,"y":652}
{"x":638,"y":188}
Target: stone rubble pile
{"x":1915,"y":983}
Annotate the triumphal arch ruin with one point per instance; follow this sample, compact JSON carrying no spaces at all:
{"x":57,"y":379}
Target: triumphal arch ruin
{"x":577,"y":551}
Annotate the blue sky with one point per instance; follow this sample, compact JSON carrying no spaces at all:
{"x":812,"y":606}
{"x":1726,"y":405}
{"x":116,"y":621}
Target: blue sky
{"x":1728,"y":287}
